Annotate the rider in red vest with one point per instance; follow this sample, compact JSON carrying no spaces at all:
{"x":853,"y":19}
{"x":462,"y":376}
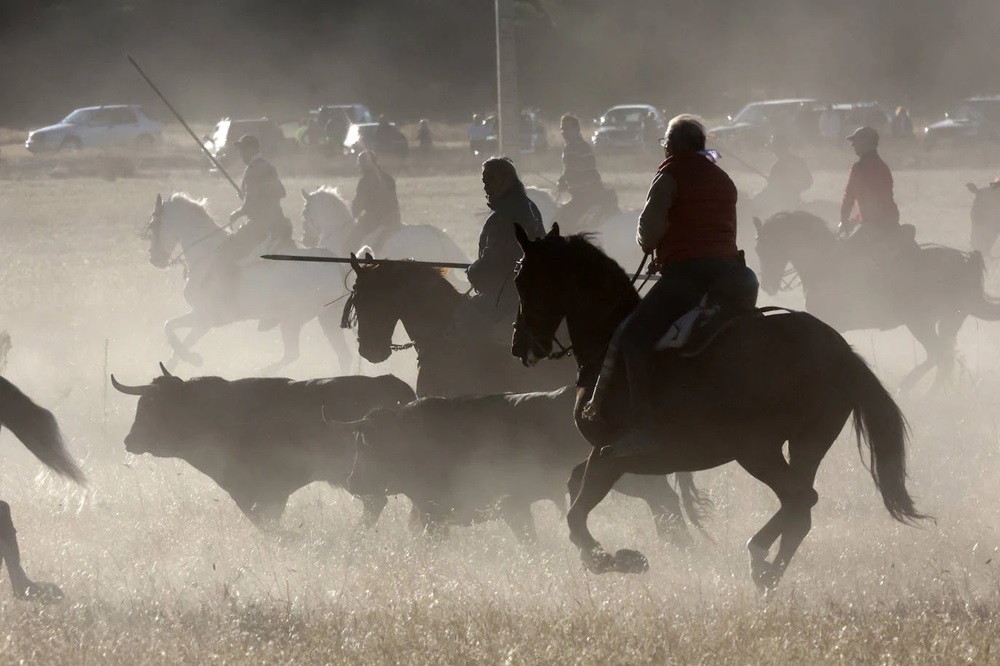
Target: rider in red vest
{"x":869,"y":187}
{"x":689,"y":224}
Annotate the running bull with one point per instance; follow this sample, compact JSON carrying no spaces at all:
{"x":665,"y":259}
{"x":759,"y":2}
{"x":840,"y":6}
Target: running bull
{"x":462,"y":460}
{"x":259,"y":438}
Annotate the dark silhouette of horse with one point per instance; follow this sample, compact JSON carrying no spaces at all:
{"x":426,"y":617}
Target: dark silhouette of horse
{"x":422,"y":299}
{"x":37,"y":429}
{"x":764,"y":381}
{"x":930,"y":291}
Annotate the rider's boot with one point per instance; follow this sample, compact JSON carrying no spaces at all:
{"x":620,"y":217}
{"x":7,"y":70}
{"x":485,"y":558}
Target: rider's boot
{"x":641,"y":438}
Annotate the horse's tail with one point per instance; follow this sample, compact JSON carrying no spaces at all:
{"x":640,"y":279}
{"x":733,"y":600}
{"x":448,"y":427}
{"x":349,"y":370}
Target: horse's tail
{"x":981,"y":305}
{"x":697,"y":504}
{"x":881,"y":426}
{"x":38,"y":430}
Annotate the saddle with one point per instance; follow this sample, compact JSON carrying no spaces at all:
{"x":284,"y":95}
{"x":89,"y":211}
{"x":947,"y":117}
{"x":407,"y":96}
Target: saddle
{"x":732,"y":297}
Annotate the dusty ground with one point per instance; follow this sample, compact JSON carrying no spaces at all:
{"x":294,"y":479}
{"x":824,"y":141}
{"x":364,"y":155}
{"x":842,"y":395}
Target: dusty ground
{"x":159,"y":566}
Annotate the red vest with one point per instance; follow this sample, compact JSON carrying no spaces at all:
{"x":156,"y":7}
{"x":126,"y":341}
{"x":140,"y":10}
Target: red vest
{"x":702,"y":219}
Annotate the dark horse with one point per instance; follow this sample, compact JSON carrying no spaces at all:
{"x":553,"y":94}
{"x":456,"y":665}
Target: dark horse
{"x":764,"y":381}
{"x":419,"y":297}
{"x":38,"y":430}
{"x":944,"y":286}
{"x":424,"y":301}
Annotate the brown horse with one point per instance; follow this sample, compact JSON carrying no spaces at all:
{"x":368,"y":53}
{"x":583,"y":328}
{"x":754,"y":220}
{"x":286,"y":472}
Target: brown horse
{"x":37,"y":429}
{"x":422,"y":299}
{"x":764,"y":381}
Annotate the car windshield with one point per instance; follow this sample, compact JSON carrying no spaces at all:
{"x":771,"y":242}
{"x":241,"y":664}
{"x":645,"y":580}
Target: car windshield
{"x":621,"y":117}
{"x":754,"y":114}
{"x":78,"y":117}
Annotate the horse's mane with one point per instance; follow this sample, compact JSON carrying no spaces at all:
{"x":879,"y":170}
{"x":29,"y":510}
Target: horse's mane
{"x":589,"y":257}
{"x":412,"y":270}
{"x":185,"y":200}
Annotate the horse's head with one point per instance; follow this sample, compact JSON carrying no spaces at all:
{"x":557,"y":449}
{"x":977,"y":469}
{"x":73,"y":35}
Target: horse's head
{"x":538,"y":281}
{"x":325,"y":216}
{"x":159,"y":248}
{"x":783,"y":239}
{"x":375,"y":303}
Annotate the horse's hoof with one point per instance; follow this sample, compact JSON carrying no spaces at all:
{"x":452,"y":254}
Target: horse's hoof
{"x":630,"y":562}
{"x":765,"y":576}
{"x":597,"y":560}
{"x":43,"y":592}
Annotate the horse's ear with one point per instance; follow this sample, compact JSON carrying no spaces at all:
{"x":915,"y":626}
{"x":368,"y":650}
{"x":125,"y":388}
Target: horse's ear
{"x":522,"y":236}
{"x":368,"y":257}
{"x":355,"y":264}
{"x":972,"y":188}
{"x":554,"y":231}
{"x":758,"y":225}
{"x":305,"y":194}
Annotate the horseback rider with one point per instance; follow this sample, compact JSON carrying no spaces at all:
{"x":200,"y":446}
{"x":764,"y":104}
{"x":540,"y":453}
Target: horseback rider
{"x":262,"y":192}
{"x":375,"y":206}
{"x":689,"y":225}
{"x":580,"y":177}
{"x":788,"y":178}
{"x":869,"y":187}
{"x":491,"y":273}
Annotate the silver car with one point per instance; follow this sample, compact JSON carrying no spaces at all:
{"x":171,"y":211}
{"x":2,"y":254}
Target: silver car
{"x":98,"y":127}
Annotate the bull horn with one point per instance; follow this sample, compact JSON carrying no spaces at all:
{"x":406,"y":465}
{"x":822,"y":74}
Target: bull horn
{"x":128,"y":390}
{"x":163,"y":369}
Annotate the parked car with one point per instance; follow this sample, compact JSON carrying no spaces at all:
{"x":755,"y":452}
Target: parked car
{"x":98,"y":127}
{"x":532,"y":135}
{"x":384,"y":138}
{"x":221,"y":142}
{"x":757,"y":121}
{"x":629,"y":127}
{"x":974,"y":119}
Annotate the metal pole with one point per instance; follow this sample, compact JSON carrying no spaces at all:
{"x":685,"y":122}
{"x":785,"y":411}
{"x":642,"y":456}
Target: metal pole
{"x":181,"y":120}
{"x":508,"y":108}
{"x":361,"y":260}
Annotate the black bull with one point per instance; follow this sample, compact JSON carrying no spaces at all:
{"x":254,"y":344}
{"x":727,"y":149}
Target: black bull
{"x":260,"y":438}
{"x":461,"y":460}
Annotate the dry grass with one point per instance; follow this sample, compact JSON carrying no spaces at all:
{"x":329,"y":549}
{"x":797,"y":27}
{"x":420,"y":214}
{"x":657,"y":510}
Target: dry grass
{"x":160,"y":567}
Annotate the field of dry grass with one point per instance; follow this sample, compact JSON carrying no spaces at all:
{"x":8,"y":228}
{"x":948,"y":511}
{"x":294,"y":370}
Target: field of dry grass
{"x":159,"y":566}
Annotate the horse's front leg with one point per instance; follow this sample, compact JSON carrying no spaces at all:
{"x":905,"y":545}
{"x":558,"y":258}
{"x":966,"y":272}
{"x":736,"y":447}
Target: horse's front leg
{"x":290,"y":334}
{"x":337,"y":337}
{"x":588,"y":490}
{"x":182,"y":348}
{"x":24,"y":587}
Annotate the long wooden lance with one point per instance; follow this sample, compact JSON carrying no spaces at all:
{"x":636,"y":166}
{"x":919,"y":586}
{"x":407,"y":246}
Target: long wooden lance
{"x":188,"y":128}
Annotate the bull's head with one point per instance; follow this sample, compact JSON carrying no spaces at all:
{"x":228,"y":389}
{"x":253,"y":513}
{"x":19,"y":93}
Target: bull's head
{"x":156,"y":416}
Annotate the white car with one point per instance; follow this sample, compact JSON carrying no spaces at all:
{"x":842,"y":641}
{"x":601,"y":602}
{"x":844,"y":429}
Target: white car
{"x":97,"y":127}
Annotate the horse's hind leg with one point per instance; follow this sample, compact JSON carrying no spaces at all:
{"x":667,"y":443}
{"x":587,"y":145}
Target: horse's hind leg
{"x":947,"y":330}
{"x":663,"y":502}
{"x":24,"y":587}
{"x":517,"y":514}
{"x":337,"y":338}
{"x":290,"y":334}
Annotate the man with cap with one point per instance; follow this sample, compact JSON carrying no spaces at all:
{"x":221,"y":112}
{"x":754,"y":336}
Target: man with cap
{"x":869,"y":188}
{"x":788,"y":178}
{"x":262,"y":192}
{"x":580,"y":177}
{"x":689,"y":224}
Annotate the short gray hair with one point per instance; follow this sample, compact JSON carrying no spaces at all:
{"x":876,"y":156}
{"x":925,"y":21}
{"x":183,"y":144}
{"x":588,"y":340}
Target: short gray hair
{"x":686,"y":132}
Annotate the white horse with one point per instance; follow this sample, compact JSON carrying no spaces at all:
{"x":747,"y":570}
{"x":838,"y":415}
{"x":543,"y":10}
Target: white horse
{"x":615,"y":234}
{"x":287,"y":294}
{"x":328,"y":223}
